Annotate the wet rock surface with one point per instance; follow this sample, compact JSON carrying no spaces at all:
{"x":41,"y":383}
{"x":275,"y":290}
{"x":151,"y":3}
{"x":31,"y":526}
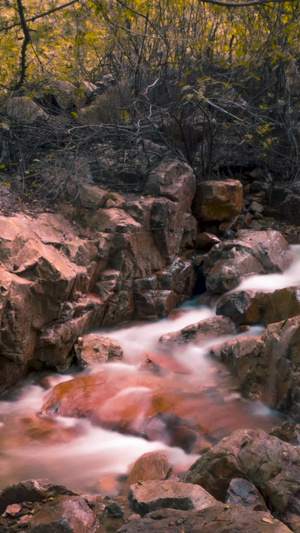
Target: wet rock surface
{"x":65,"y":515}
{"x":32,"y":490}
{"x":244,"y":307}
{"x":113,"y":258}
{"x":272,"y":465}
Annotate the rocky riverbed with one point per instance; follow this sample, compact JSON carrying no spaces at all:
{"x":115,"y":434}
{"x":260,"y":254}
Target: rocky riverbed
{"x":131,"y":414}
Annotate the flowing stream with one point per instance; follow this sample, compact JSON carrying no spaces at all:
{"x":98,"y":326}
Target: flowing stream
{"x":82,"y":455}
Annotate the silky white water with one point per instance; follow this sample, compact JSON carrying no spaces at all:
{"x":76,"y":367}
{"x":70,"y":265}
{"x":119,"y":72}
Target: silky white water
{"x":78,"y":454}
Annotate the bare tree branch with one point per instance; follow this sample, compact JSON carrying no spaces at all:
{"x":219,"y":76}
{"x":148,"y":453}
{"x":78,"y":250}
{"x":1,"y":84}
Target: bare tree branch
{"x":35,"y":17}
{"x":25,"y":43}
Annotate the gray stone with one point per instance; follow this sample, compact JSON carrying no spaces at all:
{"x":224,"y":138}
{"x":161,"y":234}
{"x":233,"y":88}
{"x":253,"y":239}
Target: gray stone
{"x":244,"y":493}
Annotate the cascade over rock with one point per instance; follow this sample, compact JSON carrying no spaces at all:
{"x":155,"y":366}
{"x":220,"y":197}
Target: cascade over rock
{"x":267,"y":366}
{"x":254,"y":252}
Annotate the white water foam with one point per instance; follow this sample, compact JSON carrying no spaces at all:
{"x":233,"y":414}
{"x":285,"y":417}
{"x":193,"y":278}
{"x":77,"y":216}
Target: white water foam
{"x":271,"y":282}
{"x":83,"y":461}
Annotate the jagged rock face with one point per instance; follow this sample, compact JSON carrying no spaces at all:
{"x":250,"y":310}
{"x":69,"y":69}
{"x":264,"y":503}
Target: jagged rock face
{"x":61,"y":279}
{"x":272,"y":465}
{"x":173,"y":180}
{"x":283,"y":303}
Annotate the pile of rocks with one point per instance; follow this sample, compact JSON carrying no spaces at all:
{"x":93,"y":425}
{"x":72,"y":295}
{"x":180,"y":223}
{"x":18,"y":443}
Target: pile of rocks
{"x":248,"y":482}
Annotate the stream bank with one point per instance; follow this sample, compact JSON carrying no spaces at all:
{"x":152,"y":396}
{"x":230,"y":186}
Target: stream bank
{"x":160,"y":387}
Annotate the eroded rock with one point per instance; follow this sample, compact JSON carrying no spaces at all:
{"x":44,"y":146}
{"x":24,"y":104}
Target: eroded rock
{"x":244,"y":307}
{"x":174,"y":180}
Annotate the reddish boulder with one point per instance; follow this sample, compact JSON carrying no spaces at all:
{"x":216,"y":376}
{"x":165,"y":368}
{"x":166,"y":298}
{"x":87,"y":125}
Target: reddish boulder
{"x":150,"y":466}
{"x":244,"y":358}
{"x":267,"y":367}
{"x":158,"y":294}
{"x":218,"y":200}
{"x":32,"y":490}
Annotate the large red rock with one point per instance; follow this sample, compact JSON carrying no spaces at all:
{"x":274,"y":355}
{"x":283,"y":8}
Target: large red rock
{"x":218,"y":200}
{"x":170,"y":226}
{"x":245,"y":358}
{"x":156,"y":296}
{"x":31,"y":490}
{"x":150,"y":466}
{"x":60,"y":279}
{"x":67,"y":514}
